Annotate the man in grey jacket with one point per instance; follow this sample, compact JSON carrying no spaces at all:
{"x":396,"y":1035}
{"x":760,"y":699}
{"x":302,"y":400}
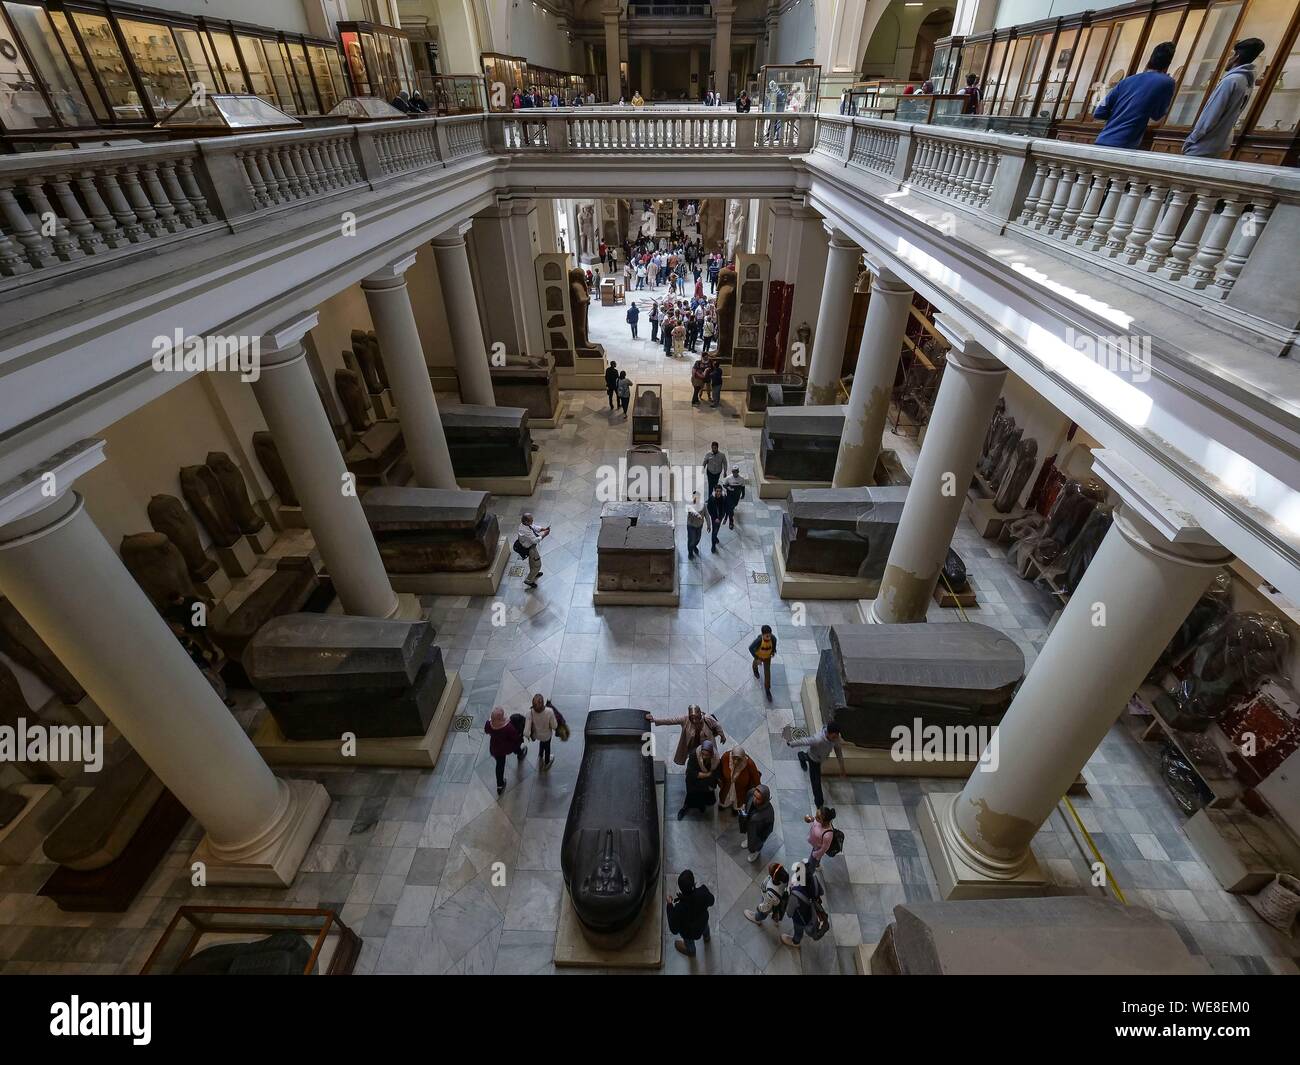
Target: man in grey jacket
{"x":1213,"y":130}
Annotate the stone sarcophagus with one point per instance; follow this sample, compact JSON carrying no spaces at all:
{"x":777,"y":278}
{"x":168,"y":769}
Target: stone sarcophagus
{"x":841,"y":532}
{"x":636,"y":551}
{"x":286,"y":591}
{"x":610,"y":849}
{"x":949,"y":676}
{"x":801,"y":443}
{"x":488,"y":441}
{"x":322,"y":675}
{"x":431,"y":530}
{"x":531,"y":384}
{"x":775,"y":390}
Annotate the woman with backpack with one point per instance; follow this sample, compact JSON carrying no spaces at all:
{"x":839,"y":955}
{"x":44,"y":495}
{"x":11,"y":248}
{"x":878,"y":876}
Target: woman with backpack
{"x":774,"y":897}
{"x":544,"y":721}
{"x":757,"y":820}
{"x":805,"y":907}
{"x":505,"y":739}
{"x":824,"y":838}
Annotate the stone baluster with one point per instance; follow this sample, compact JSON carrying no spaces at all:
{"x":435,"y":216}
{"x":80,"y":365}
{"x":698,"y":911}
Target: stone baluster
{"x":1079,"y":191}
{"x":1180,"y":255}
{"x":85,"y":231}
{"x":1029,"y":208}
{"x":1092,"y":207}
{"x":1046,"y":197}
{"x":12,"y":260}
{"x":1125,"y":214}
{"x":36,"y":247}
{"x":176,"y":195}
{"x":1144,"y":222}
{"x":190,"y":185}
{"x":1166,"y":230}
{"x":1244,"y":235}
{"x":152,"y":186}
{"x":1061,"y":197}
{"x":65,"y":247}
{"x":120,"y":206}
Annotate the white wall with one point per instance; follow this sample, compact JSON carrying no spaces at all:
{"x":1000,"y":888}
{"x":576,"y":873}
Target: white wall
{"x":1017,"y":12}
{"x":288,"y":15}
{"x":796,"y":34}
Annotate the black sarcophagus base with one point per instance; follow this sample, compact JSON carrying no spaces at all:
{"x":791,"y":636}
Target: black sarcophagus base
{"x":431,"y":530}
{"x":610,"y":850}
{"x":841,"y":532}
{"x":873,"y":677}
{"x":534,"y":388}
{"x":790,"y":387}
{"x":322,"y":675}
{"x":488,"y":441}
{"x":801,"y":443}
{"x":636,"y":550}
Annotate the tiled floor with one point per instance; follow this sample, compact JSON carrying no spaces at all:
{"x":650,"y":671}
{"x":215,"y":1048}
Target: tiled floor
{"x":409,"y":858}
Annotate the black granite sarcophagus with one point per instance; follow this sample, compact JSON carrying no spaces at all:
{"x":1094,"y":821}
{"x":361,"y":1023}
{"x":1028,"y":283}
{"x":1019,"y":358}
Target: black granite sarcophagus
{"x":431,"y":530}
{"x":488,"y":441}
{"x":801,"y":443}
{"x":636,"y":550}
{"x":841,"y":532}
{"x":610,"y":850}
{"x":873,"y":677}
{"x":535,"y":388}
{"x":325,"y":674}
{"x":775,"y":390}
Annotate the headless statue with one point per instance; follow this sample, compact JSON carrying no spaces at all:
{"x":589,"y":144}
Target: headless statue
{"x":235,"y":492}
{"x":168,"y":515}
{"x":1013,"y":484}
{"x":273,"y":466}
{"x":352,"y":395}
{"x":202,"y":492}
{"x":157,"y":566}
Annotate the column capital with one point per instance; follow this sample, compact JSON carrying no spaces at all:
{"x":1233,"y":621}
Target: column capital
{"x":1151,"y":519}
{"x":724,"y":9}
{"x":450,"y":238}
{"x":40,"y":487}
{"x":390,"y":275}
{"x":611,"y":10}
{"x":283,"y":344}
{"x":967,"y":353}
{"x":882,"y":278}
{"x":839,"y":241}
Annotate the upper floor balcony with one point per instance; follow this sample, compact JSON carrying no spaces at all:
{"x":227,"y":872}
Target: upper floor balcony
{"x":1052,"y":253}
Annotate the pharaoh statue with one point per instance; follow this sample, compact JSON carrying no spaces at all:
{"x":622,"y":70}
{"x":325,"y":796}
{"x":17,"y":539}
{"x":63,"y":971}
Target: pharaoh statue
{"x":235,"y":492}
{"x":579,"y":304}
{"x":737,"y":215}
{"x":726,"y":312}
{"x":352,"y":395}
{"x":273,"y":466}
{"x":168,"y":516}
{"x":587,"y":243}
{"x":364,"y":354}
{"x":1013,"y":484}
{"x":203,"y":493}
{"x":994,"y":431}
{"x":157,"y":567}
{"x":649,"y":221}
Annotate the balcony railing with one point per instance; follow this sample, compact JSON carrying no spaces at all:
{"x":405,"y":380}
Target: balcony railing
{"x":1220,"y":235}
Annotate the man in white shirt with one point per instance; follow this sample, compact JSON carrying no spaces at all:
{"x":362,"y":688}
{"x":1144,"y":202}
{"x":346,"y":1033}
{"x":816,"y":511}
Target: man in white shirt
{"x":529,"y":537}
{"x":733,"y":486}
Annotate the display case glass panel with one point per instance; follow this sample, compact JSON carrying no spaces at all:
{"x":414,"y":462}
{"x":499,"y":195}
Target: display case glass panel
{"x":991,"y":85}
{"x":1031,"y":76}
{"x":110,"y":66}
{"x":195,"y":57}
{"x":259,"y":75}
{"x":1012,"y":78}
{"x":294,"y":56}
{"x":1268,"y":20}
{"x":52,"y":66}
{"x":157,"y":62}
{"x":457,"y":94}
{"x":330,"y":83}
{"x":1057,"y":80}
{"x":365,"y":109}
{"x":971,"y":61}
{"x":1213,"y":40}
{"x":228,"y":59}
{"x":1281,"y":111}
{"x":72,"y":49}
{"x":22,"y":104}
{"x":1083,"y":78}
{"x":354,"y":57}
{"x":219,"y":112}
{"x":790,"y":88}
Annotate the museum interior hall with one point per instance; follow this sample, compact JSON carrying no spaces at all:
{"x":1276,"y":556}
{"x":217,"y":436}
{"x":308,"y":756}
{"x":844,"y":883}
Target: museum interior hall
{"x":760,"y":487}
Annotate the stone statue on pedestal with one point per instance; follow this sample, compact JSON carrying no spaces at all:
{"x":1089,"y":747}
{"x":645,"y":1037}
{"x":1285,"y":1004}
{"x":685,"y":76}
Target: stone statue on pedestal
{"x":203,"y":493}
{"x":737,"y":215}
{"x":235,"y":492}
{"x":272,"y":465}
{"x":157,"y":567}
{"x":726,"y":312}
{"x":168,"y":516}
{"x":353,"y":396}
{"x":579,"y":305}
{"x":587,"y":242}
{"x":364,"y":355}
{"x":1013,"y":484}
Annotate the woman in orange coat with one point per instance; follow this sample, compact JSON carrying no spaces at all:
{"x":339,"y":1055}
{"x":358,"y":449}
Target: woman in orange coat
{"x":739,"y":776}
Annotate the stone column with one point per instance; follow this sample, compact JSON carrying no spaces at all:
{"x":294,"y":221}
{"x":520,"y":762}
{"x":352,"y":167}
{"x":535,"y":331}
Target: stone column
{"x":507,"y":241}
{"x":967,"y":395}
{"x":70,"y":586}
{"x":723,"y":12}
{"x":647,"y":71}
{"x":873,"y":380}
{"x":330,"y":504}
{"x":408,"y":373}
{"x":1152,"y":566}
{"x":832,"y":319}
{"x":467,"y":345}
{"x":613,"y":49}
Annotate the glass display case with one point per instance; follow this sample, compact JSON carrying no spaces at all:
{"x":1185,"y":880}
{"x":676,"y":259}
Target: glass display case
{"x":506,"y":71}
{"x":943,"y":66}
{"x":789,"y":88}
{"x":926,"y":108}
{"x":365,"y":109}
{"x":209,"y":114}
{"x":253,"y":941}
{"x":876,"y":99}
{"x":39,"y":90}
{"x":378,"y":59}
{"x":457,"y":94}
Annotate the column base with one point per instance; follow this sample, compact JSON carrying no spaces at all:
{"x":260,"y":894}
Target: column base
{"x":273,"y":860}
{"x":958,"y":876}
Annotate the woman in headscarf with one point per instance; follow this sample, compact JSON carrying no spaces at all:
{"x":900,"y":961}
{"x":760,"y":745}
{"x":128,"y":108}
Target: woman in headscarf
{"x":739,"y":775}
{"x":702,"y":769}
{"x":697,"y":726}
{"x":504,"y":740}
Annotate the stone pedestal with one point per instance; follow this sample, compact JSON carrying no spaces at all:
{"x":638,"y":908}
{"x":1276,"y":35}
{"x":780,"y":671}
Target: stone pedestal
{"x":238,"y":559}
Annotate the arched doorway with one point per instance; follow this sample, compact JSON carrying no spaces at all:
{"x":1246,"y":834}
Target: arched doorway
{"x":935,"y":25}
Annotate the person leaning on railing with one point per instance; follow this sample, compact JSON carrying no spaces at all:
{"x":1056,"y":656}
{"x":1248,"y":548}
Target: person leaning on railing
{"x":743,"y":103}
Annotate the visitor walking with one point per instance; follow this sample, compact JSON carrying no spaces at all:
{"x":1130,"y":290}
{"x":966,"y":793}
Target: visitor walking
{"x":709,"y":328}
{"x":813,"y":752}
{"x":679,"y":340}
{"x":822,"y":836}
{"x":633,"y":313}
{"x":733,"y":485}
{"x":702,"y":773}
{"x":1213,"y":130}
{"x":1137,"y":100}
{"x":526,"y":541}
{"x":774,"y":895}
{"x":688,"y":913}
{"x":611,"y":381}
{"x":972,"y":95}
{"x":694,"y":525}
{"x":805,"y":908}
{"x":504,"y":739}
{"x":654,"y":321}
{"x":717,"y":508}
{"x":697,"y":727}
{"x":738,"y":775}
{"x":763,"y":649}
{"x":544,"y":722}
{"x":715,"y":465}
{"x":624,"y":390}
{"x":757,"y":820}
{"x":699,"y":379}
{"x":715,"y":382}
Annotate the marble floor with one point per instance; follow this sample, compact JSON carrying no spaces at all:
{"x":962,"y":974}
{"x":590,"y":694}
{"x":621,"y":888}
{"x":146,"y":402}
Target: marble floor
{"x":412,"y":859}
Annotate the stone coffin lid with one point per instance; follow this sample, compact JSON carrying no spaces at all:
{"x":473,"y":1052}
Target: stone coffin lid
{"x":394,"y":509}
{"x":101,"y":826}
{"x":520,"y":375}
{"x":618,"y":534}
{"x":639,"y":513}
{"x":316,"y":652}
{"x":466,"y":419}
{"x":815,"y":421}
{"x":846,"y":508}
{"x":949,"y":657}
{"x":1060,"y":935}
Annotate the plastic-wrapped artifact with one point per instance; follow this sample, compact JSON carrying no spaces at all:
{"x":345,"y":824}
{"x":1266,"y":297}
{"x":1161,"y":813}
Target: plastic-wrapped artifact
{"x":1079,"y":554}
{"x":1188,"y":789}
{"x":1211,"y":607}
